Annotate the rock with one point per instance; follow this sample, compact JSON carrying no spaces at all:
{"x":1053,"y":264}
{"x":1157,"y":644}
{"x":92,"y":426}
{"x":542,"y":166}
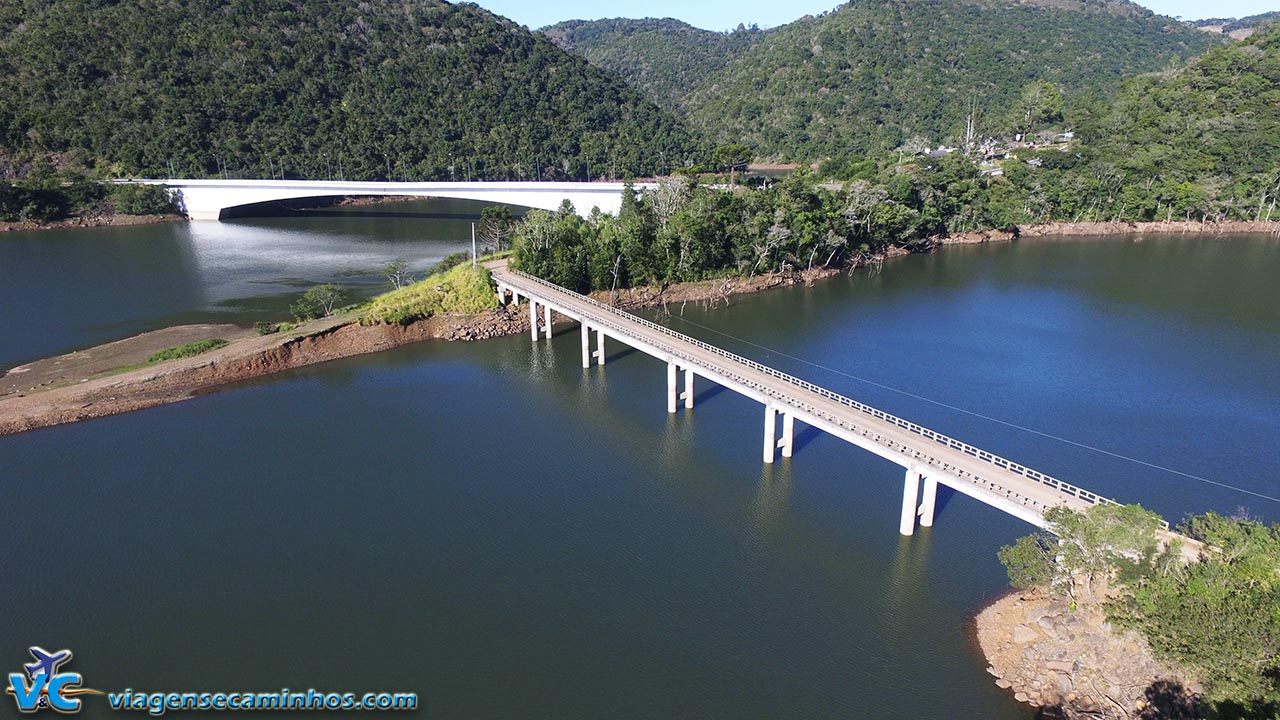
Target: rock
{"x":1059,"y":665}
{"x":1020,"y":697}
{"x":1023,"y":634}
{"x":992,"y":671}
{"x":1003,"y":684}
{"x":1064,"y":685}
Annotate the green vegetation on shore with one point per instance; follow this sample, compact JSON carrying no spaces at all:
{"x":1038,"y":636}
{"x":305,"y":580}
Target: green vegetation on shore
{"x":1217,"y":617}
{"x":462,"y":289}
{"x":44,"y":196}
{"x":186,"y":350}
{"x":685,"y":231}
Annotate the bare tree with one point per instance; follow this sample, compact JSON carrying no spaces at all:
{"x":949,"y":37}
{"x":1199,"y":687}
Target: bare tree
{"x":397,"y":273}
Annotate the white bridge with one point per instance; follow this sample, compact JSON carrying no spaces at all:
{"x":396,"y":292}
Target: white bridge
{"x":929,"y":458}
{"x":210,"y":199}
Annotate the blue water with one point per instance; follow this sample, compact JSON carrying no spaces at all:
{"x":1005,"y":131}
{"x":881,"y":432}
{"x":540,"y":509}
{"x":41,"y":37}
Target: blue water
{"x":491,"y":526}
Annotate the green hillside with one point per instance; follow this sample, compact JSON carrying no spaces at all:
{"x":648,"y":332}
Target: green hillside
{"x":664,"y":58}
{"x":1205,"y":139}
{"x":399,"y":88}
{"x":872,"y":74}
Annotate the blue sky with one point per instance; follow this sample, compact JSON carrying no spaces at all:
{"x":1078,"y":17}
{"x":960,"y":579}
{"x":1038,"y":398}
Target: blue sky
{"x":726,"y":14}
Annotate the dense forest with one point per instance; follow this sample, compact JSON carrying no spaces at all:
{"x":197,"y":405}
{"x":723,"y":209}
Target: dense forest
{"x":259,"y":88}
{"x":873,"y":74}
{"x":1199,"y":144}
{"x":664,"y":58}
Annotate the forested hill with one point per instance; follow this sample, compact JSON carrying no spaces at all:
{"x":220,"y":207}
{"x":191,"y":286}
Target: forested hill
{"x":400,"y":88}
{"x":665,"y":58}
{"x":877,"y":72}
{"x":873,"y":73}
{"x":1206,"y":136}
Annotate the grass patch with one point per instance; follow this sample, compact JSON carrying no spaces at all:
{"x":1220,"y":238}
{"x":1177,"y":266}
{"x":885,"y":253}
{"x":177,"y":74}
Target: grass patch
{"x":190,"y":349}
{"x":461,"y":289}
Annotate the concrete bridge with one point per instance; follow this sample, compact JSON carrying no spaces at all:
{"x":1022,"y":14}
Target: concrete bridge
{"x":929,"y":458}
{"x":210,"y":199}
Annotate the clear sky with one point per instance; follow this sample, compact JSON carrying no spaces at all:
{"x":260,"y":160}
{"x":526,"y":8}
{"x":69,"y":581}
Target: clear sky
{"x":726,"y":14}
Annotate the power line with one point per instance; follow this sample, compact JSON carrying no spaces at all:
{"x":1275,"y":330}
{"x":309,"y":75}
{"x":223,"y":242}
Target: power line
{"x":988,"y":418}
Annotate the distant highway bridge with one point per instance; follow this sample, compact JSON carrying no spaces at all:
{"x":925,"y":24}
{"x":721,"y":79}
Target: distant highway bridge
{"x":929,"y":458}
{"x":210,"y":199}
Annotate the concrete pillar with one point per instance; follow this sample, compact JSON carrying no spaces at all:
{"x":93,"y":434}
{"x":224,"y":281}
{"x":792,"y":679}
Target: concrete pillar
{"x":688,"y":389}
{"x":502,"y":296}
{"x":672,"y":370}
{"x":586,"y":346}
{"x":910,"y":493}
{"x":928,"y":502}
{"x":546,"y":317}
{"x":533,"y":319}
{"x":600,"y":346}
{"x":770,"y":432}
{"x":788,"y":433}
{"x":515,"y":298}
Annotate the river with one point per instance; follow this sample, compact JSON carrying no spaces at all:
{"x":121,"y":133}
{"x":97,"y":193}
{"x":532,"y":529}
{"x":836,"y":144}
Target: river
{"x":510,"y":536}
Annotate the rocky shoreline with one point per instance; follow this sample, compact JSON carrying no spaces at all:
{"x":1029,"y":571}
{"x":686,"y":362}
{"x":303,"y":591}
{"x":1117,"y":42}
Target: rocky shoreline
{"x":92,"y":220}
{"x":1110,"y":229}
{"x":1072,"y":663}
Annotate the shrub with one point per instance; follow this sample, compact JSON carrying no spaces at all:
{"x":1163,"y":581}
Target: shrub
{"x":141,"y":199}
{"x":317,"y":302}
{"x":464,"y":289}
{"x":266,"y":328}
{"x":188,"y":350}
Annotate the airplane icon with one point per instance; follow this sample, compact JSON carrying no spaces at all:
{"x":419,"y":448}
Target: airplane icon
{"x":46,"y":662}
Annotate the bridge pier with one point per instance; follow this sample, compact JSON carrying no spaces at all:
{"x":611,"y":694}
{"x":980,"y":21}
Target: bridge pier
{"x":928,"y":502}
{"x":770,"y":432}
{"x":688,"y":389}
{"x":586,"y":345}
{"x":910,"y":494}
{"x":788,"y":434}
{"x":533,"y":319}
{"x":546,"y":319}
{"x":600,"y":346}
{"x":672,"y":371}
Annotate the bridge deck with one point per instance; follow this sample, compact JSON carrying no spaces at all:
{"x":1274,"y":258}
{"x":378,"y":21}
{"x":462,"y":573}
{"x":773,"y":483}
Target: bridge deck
{"x":970,"y":470}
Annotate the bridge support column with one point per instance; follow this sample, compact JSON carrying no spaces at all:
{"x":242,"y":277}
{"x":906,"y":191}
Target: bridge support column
{"x":586,"y":345}
{"x":515,"y":298}
{"x":788,"y":434}
{"x":672,"y":371}
{"x":688,"y":389}
{"x":533,"y":319}
{"x":770,"y":432}
{"x":600,"y":346}
{"x":546,"y":318}
{"x":910,"y":494}
{"x":928,"y":502}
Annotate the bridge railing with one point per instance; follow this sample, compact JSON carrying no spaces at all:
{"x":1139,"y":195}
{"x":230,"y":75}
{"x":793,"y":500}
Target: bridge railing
{"x":936,"y":437}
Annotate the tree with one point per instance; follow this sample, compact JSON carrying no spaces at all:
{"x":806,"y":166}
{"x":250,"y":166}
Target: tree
{"x":318,"y":302}
{"x":397,"y":273}
{"x":733,"y":158}
{"x":1041,"y":103}
{"x":1084,"y":550}
{"x":496,"y":227}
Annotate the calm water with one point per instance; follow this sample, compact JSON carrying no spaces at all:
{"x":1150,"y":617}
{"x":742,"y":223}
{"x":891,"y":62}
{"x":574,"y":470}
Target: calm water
{"x":510,"y":536}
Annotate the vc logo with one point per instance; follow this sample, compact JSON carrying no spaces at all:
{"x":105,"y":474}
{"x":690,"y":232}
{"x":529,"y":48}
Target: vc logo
{"x":44,"y":687}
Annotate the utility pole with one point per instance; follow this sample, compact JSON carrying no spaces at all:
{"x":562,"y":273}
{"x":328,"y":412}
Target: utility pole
{"x":473,"y":244}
